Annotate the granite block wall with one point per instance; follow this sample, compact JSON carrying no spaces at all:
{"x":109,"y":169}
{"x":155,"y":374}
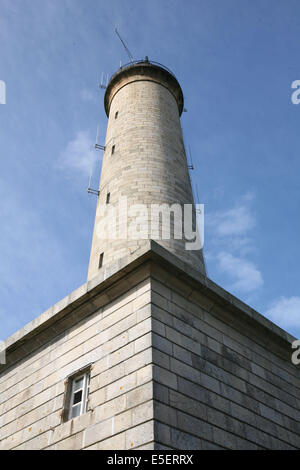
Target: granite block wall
{"x":215,"y":386}
{"x":116,"y":340}
{"x":176,"y":363}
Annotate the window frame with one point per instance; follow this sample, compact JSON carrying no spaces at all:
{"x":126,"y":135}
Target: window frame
{"x":84,"y":396}
{"x":69,"y":405}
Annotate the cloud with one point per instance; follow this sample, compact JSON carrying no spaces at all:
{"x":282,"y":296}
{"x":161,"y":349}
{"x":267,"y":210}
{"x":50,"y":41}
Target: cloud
{"x":79,"y":154}
{"x":285,"y":311}
{"x":33,"y":273}
{"x":230,"y":235}
{"x":236,"y":221}
{"x":233,"y":222}
{"x":246,"y":276}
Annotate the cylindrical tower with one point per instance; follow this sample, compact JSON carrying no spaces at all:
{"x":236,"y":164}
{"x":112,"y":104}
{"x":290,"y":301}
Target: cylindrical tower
{"x":144,"y":163}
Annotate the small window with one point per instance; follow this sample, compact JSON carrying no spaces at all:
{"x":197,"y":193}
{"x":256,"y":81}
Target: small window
{"x":77,"y":395}
{"x":116,"y":115}
{"x":101,"y":260}
{"x":113,"y":149}
{"x":107,"y":198}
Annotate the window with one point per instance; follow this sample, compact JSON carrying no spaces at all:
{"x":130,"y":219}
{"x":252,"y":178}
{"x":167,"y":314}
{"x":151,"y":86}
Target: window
{"x":116,"y":115}
{"x":113,"y":149}
{"x":77,"y":394}
{"x":101,"y":260}
{"x":107,"y":198}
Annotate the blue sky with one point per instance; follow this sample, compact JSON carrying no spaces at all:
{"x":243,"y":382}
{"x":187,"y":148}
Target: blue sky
{"x":236,"y":61}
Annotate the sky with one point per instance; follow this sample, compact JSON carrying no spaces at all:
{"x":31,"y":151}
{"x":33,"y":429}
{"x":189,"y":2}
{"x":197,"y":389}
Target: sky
{"x":235,"y":60}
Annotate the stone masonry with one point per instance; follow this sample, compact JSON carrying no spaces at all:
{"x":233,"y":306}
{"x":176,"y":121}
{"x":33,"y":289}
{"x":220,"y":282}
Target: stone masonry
{"x":149,"y":166}
{"x":177,"y":363}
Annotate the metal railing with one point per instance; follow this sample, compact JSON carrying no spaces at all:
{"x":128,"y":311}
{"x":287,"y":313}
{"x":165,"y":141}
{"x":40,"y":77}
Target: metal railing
{"x":144,"y":61}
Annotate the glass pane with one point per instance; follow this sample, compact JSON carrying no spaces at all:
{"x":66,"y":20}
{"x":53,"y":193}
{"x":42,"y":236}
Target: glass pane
{"x":78,"y":384}
{"x":75,"y":411}
{"x":77,"y":397}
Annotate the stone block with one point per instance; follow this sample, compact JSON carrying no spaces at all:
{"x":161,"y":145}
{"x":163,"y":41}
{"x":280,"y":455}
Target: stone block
{"x":139,"y":395}
{"x":140,"y":435}
{"x":165,"y":377}
{"x":142,"y":413}
{"x":98,"y":432}
{"x":143,"y":342}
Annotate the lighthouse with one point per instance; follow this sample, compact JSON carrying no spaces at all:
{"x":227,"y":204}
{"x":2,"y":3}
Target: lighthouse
{"x":149,"y":353}
{"x":145,"y":173}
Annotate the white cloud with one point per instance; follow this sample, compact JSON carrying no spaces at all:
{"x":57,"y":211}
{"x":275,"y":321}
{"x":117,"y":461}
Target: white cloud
{"x":246,"y":277}
{"x":233,"y":222}
{"x":236,"y":221}
{"x":285,"y":311}
{"x":241,"y":245}
{"x":79,"y":154}
{"x":32,"y":260}
{"x":229,"y":232}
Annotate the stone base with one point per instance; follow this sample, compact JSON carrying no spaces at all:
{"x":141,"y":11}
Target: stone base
{"x":177,"y":363}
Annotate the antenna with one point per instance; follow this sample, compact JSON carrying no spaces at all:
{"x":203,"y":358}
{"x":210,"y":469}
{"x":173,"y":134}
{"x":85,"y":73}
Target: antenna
{"x":93,"y":191}
{"x":89,"y":189}
{"x":198,"y":211}
{"x":102,"y":78}
{"x":97,"y":146}
{"x":101,"y":83}
{"x":198,"y":200}
{"x":90,"y":177}
{"x":191,"y":166}
{"x":125,"y":47}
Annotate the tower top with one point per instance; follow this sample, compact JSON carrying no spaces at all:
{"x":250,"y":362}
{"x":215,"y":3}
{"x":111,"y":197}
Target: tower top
{"x":143,"y":70}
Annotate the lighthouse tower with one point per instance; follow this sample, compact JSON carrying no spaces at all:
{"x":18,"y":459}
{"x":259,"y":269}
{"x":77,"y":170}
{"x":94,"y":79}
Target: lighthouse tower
{"x":144,"y":167}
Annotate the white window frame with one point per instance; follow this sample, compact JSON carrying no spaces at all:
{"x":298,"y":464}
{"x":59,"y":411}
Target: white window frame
{"x":85,"y":394}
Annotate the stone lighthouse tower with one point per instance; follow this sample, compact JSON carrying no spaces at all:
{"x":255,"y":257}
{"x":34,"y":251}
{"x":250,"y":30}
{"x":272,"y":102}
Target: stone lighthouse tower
{"x":145,"y":164}
{"x":149,"y":353}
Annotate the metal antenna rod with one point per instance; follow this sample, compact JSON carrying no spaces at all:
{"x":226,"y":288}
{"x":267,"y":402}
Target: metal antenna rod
{"x":125,"y":47}
{"x":97,"y":146}
{"x":191,"y":166}
{"x":89,"y":186}
{"x":198,"y":199}
{"x":89,"y":189}
{"x":102,"y":79}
